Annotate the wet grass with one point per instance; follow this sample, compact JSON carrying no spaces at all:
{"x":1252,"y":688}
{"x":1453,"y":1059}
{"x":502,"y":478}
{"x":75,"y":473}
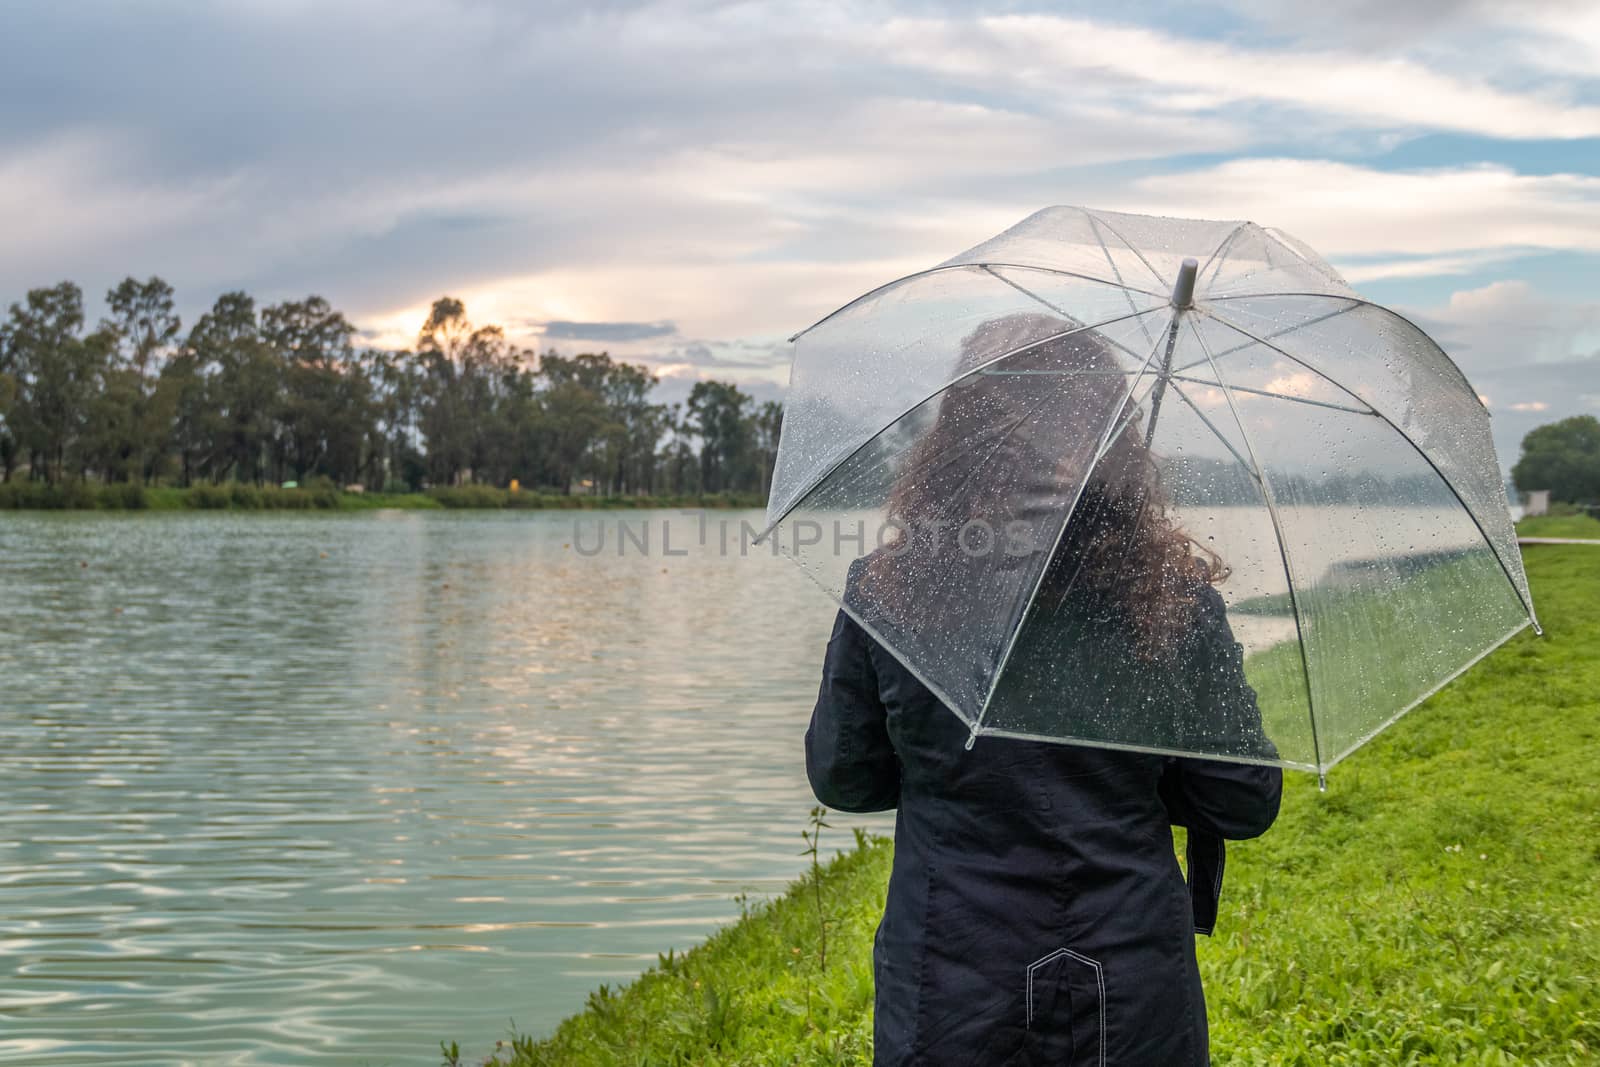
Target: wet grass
{"x":1440,"y":904}
{"x":1582,"y":526}
{"x":1381,"y":644}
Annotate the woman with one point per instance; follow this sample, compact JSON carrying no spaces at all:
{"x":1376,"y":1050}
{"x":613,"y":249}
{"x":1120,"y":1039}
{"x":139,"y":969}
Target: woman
{"x":1036,"y":913}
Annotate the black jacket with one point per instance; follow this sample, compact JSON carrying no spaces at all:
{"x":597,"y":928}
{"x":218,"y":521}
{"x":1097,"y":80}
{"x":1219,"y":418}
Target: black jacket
{"x":1036,"y":913}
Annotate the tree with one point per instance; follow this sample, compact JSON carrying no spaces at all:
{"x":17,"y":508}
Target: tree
{"x":184,"y":389}
{"x":767,"y":429}
{"x":133,"y":423}
{"x":571,"y":416}
{"x":727,"y":440}
{"x":398,"y":383}
{"x":242,"y":383}
{"x":56,"y":372}
{"x":465,"y":372}
{"x":9,"y":445}
{"x":142,"y":320}
{"x":1563,"y":457}
{"x":326,"y":403}
{"x":679,"y":464}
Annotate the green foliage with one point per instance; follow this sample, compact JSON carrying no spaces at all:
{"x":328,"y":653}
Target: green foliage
{"x":244,"y":497}
{"x":483,"y":496}
{"x":812,"y":836}
{"x":1563,"y":457}
{"x":125,"y":496}
{"x":236,"y":496}
{"x":1439,"y":905}
{"x":44,"y":496}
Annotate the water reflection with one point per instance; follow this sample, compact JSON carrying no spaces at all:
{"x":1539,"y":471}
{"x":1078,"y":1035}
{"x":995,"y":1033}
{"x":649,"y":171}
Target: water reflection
{"x":331,"y":788}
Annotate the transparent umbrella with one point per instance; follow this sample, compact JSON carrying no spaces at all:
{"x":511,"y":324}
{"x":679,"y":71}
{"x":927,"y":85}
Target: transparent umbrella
{"x":1040,"y":472}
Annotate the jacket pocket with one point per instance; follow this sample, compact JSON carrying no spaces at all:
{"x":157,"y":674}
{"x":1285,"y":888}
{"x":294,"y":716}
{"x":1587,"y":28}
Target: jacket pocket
{"x":1066,"y":1009}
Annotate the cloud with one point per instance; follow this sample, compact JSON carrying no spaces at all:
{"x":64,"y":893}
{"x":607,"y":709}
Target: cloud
{"x":78,"y":194}
{"x":1535,"y":359}
{"x":607,"y":331}
{"x":1060,"y":55}
{"x":588,"y":173}
{"x":1356,"y":272}
{"x":1347,"y":209}
{"x":1383,"y":24}
{"x":1510,"y":324}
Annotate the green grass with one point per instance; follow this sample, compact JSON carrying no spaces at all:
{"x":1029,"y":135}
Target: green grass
{"x":1373,"y":638}
{"x":1440,"y":904}
{"x":84,"y":496}
{"x":1584,"y":526}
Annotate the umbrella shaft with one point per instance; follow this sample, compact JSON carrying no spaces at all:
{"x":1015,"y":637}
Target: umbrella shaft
{"x":1162,"y":377}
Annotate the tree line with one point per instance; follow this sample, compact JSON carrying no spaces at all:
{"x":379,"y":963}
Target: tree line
{"x":284,"y":393}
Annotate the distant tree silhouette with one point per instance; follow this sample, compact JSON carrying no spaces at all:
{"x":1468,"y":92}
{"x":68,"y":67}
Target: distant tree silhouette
{"x":285,"y":393}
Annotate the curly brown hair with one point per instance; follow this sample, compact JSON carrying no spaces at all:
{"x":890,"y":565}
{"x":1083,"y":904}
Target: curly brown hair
{"x":1014,"y":439}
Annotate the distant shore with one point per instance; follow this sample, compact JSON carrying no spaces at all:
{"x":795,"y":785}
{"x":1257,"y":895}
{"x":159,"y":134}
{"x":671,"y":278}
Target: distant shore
{"x":81,"y":496}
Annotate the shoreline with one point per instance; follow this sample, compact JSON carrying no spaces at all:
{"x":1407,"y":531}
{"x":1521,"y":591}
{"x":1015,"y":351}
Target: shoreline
{"x":1455,"y":856}
{"x":79,"y":496}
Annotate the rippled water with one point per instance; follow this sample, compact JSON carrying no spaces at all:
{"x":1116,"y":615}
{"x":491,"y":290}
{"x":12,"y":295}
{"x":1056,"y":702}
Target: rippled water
{"x":327,"y":789}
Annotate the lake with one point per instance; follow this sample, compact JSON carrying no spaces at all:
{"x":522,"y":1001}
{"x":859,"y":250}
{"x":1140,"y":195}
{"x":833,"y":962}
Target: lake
{"x":327,"y":789}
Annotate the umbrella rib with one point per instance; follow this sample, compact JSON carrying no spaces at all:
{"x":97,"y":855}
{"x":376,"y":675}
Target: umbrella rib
{"x":1283,"y":552}
{"x":1288,"y":242}
{"x":1266,"y":252}
{"x":1125,"y":415}
{"x":1116,"y":271}
{"x":1356,"y":300}
{"x":964,"y":266}
{"x":1286,"y":354}
{"x":1448,"y":484}
{"x":1152,"y":750}
{"x":1286,"y":330}
{"x":871,"y":628}
{"x":1095,"y":221}
{"x":1249,"y":467}
{"x":1276,"y":396}
{"x":842,"y":460}
{"x":1031,"y":295}
{"x":1222,"y":250}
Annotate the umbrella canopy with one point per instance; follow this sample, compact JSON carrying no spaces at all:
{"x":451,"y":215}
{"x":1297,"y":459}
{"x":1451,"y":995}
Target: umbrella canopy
{"x":1035,"y":470}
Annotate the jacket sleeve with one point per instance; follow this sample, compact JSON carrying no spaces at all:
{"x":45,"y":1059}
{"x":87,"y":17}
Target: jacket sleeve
{"x":849,"y":758}
{"x":1230,"y":800}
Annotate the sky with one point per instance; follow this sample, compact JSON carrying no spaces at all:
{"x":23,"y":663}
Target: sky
{"x":686,"y":184}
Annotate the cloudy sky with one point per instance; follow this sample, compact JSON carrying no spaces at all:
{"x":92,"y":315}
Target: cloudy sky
{"x":686,"y":183}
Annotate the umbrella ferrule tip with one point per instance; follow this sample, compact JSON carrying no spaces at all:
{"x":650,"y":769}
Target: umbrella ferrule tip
{"x":1183,"y":291}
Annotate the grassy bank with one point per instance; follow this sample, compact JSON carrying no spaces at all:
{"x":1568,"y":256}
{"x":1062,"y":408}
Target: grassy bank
{"x":1440,"y":904}
{"x":81,"y":496}
{"x":1584,"y":526}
